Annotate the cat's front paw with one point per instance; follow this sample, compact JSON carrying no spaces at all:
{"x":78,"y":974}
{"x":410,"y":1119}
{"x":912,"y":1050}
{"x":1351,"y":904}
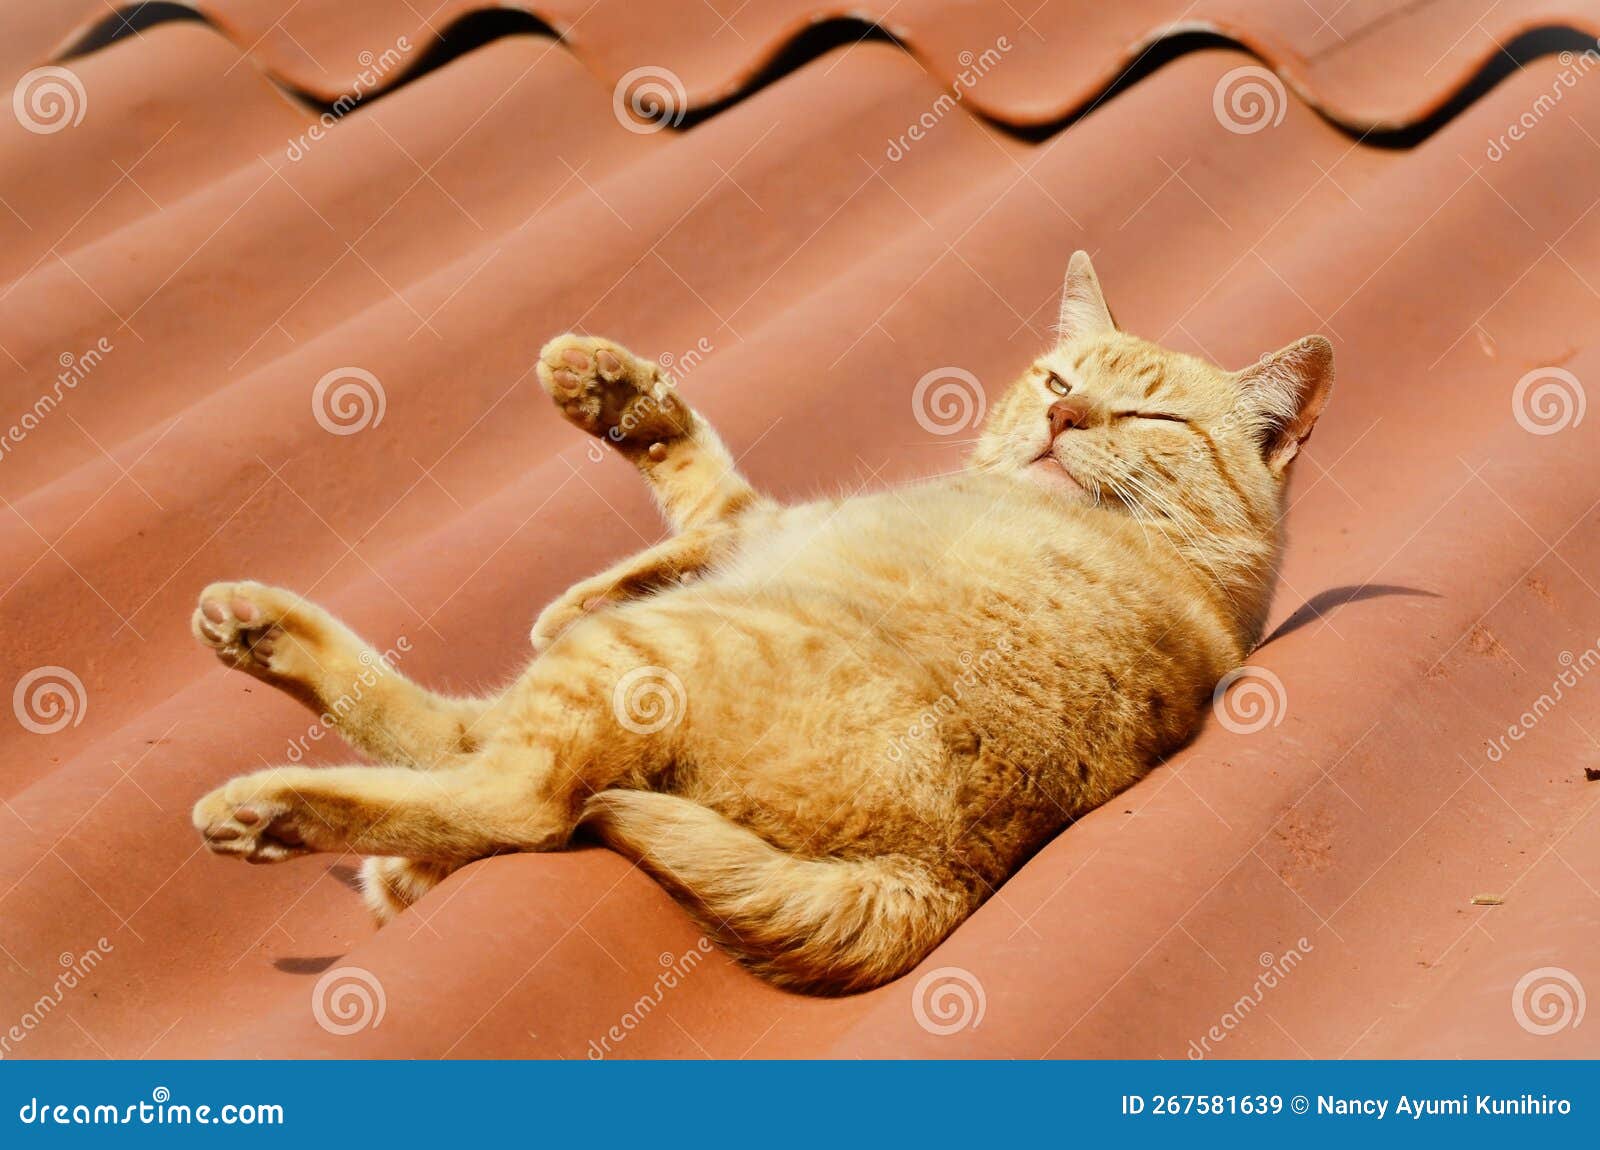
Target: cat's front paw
{"x":264,"y":630}
{"x":609,"y":392}
{"x":576,"y":604}
{"x":244,"y":819}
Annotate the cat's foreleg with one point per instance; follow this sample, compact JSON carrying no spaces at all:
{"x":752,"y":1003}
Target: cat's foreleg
{"x":281,"y":639}
{"x":671,"y":562}
{"x":623,"y":399}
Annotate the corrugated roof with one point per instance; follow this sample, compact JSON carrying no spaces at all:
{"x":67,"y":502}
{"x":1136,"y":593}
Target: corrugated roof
{"x":201,"y":247}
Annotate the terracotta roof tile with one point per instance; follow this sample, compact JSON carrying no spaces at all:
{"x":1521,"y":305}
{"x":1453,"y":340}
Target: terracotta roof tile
{"x":820,"y":259}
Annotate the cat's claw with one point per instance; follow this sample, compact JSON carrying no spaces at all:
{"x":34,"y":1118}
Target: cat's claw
{"x":609,"y":392}
{"x":239,"y":821}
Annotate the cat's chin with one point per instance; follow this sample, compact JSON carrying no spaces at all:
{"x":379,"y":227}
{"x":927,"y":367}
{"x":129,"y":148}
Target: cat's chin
{"x":1049,"y":474}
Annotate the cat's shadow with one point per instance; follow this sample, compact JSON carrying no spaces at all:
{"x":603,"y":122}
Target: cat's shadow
{"x":309,"y":964}
{"x":346,"y":876}
{"x":1323,"y":602}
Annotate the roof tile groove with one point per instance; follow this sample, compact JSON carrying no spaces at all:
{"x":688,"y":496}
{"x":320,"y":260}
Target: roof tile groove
{"x":1044,"y":65}
{"x":805,"y":268}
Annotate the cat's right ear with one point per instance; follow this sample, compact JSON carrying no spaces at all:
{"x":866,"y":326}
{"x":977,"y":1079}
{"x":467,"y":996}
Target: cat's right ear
{"x":1083,"y":305}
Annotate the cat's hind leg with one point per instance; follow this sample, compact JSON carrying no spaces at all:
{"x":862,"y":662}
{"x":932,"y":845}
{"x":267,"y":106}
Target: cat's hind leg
{"x":442,"y":816}
{"x":606,"y":390}
{"x":390,"y":885}
{"x":281,"y":639}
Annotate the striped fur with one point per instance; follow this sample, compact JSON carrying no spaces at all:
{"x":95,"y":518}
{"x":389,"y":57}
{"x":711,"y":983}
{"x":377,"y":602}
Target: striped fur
{"x":832,"y":729}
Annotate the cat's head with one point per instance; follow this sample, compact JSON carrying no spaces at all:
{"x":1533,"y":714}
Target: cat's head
{"x":1107,"y":418}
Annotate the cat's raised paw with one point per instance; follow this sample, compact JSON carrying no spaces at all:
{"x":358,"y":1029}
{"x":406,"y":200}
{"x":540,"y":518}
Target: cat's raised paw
{"x":609,"y":392}
{"x":240,"y":821}
{"x":251,"y":626}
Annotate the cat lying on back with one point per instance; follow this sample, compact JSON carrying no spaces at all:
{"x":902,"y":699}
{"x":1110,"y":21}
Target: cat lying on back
{"x":831,"y":730}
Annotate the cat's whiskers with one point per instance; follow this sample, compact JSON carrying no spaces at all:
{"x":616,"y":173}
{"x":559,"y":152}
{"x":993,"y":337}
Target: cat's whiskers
{"x":1175,"y":517}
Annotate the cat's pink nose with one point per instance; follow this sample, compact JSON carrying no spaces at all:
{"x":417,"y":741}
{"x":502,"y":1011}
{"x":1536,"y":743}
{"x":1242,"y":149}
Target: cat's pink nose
{"x":1065,"y":414}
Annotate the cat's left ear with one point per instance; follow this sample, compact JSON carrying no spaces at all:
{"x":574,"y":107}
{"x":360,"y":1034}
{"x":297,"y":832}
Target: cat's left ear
{"x":1083,"y":305}
{"x":1287,"y":391}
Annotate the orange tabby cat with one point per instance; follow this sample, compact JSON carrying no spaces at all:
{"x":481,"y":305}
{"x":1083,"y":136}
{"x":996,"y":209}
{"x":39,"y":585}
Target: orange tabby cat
{"x":831,"y":730}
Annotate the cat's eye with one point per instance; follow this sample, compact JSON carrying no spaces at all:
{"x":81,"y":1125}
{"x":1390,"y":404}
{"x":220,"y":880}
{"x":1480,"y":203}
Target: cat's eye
{"x":1057,"y":384}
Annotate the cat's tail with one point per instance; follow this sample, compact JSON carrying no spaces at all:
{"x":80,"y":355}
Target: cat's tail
{"x":824,"y":925}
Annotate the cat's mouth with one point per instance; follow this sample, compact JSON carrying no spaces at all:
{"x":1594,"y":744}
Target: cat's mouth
{"x":1050,"y":471}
